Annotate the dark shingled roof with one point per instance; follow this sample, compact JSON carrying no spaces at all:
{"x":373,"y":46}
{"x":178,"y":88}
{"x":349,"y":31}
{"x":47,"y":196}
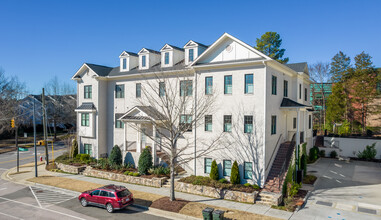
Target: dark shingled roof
{"x":131,"y":53}
{"x":298,"y":67}
{"x":152,"y":51}
{"x":155,"y":68}
{"x":174,"y":47}
{"x":286,"y":102}
{"x":100,"y":70}
{"x":86,"y":106}
{"x":200,"y":44}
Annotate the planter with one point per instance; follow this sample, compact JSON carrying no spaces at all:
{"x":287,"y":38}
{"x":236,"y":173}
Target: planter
{"x":216,"y":193}
{"x":154,"y":182}
{"x":70,"y":168}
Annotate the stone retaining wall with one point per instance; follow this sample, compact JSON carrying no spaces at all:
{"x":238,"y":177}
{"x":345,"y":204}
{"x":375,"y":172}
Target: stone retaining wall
{"x":70,"y":168}
{"x":155,"y":182}
{"x":216,"y":193}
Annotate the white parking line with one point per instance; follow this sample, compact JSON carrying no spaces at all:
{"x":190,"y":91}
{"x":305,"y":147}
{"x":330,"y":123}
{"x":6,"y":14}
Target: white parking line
{"x":47,"y":197}
{"x":39,"y":204}
{"x":1,"y":213}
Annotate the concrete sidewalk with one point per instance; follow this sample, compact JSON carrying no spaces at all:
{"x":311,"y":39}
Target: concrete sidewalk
{"x":28,"y":172}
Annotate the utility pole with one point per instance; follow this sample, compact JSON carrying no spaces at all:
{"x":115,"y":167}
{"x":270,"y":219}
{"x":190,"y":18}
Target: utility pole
{"x":44,"y":122}
{"x":34,"y":132}
{"x":17,"y":147}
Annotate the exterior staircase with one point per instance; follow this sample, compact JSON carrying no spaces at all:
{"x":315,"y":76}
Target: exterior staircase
{"x":163,"y":158}
{"x":275,"y":179}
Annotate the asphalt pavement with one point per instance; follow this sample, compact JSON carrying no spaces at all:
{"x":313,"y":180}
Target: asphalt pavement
{"x":41,"y":202}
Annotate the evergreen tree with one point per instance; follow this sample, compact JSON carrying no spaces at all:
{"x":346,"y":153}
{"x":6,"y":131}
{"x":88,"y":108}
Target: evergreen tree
{"x":234,"y":177}
{"x":269,"y":44}
{"x":115,"y":156}
{"x":339,"y":66}
{"x":336,"y":104}
{"x":214,"y":171}
{"x":145,"y":161}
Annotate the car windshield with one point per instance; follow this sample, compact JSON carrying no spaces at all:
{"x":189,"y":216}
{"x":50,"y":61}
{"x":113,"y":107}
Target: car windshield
{"x":123,"y":193}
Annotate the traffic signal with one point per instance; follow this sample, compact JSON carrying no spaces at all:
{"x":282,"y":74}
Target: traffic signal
{"x":13,"y":122}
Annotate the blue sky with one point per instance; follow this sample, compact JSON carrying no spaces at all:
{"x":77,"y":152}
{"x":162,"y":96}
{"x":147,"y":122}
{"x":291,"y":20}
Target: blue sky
{"x":43,"y":39}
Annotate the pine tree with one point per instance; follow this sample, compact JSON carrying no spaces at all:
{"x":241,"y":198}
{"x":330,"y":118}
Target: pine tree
{"x":339,"y":66}
{"x":235,"y":177}
{"x":336,"y":104}
{"x":214,"y":171}
{"x":269,"y":44}
{"x":145,"y":161}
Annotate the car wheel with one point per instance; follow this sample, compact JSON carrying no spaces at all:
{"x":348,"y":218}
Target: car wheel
{"x":109,"y":208}
{"x":83,"y":202}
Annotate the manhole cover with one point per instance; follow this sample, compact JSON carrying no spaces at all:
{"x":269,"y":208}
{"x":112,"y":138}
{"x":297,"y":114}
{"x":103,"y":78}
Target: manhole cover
{"x":365,"y":210}
{"x":324,"y":203}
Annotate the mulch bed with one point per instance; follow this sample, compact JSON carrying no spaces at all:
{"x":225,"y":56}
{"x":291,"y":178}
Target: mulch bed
{"x":301,"y":194}
{"x":165,"y":204}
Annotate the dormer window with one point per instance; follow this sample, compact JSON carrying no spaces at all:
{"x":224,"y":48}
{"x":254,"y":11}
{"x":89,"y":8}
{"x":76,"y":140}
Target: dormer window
{"x":191,"y":55}
{"x":124,"y":63}
{"x":143,"y":61}
{"x":166,"y":58}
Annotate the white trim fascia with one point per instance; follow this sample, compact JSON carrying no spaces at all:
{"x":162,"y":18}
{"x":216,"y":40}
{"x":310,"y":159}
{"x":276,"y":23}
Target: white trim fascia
{"x":278,"y":66}
{"x":166,"y":45}
{"x":141,"y":75}
{"x":233,"y":38}
{"x":230,"y":64}
{"x":191,"y":41}
{"x":79,"y":70}
{"x":133,"y":109}
{"x":85,"y":110}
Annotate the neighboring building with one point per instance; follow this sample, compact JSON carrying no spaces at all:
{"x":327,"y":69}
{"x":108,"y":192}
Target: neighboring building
{"x":272,"y":97}
{"x":318,"y":98}
{"x":59,"y":108}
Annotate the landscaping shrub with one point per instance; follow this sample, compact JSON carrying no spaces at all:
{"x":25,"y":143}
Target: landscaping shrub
{"x":223,"y":180}
{"x":256,"y":187}
{"x":309,"y":179}
{"x":313,"y":154}
{"x":333,"y":154}
{"x":160,"y":170}
{"x":103,"y":163}
{"x":303,"y":163}
{"x":78,"y":156}
{"x":234,"y":177}
{"x":288,"y":178}
{"x":128,"y":165}
{"x":247,"y":184}
{"x":115,"y":156}
{"x":64,"y":158}
{"x":74,"y":148}
{"x":293,"y":189}
{"x":145,"y":161}
{"x":214,"y":171}
{"x":369,"y":153}
{"x":126,"y":173}
{"x":322,"y":153}
{"x":136,"y":174}
{"x":84,"y":157}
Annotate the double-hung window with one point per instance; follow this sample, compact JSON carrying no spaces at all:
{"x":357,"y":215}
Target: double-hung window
{"x":186,"y":87}
{"x":273,"y":124}
{"x":186,"y":122}
{"x":124,"y":63}
{"x":309,"y":122}
{"x":87,"y":93}
{"x":166,"y":58}
{"x":228,"y":84}
{"x":227,"y":123}
{"x":248,"y":170}
{"x":87,"y":149}
{"x":161,"y":89}
{"x":118,"y":123}
{"x":208,"y":85}
{"x":85,"y":119}
{"x":249,"y":84}
{"x":144,"y":61}
{"x":273,"y":85}
{"x":208,"y":165}
{"x":119,"y":91}
{"x":208,"y":123}
{"x":294,"y":123}
{"x":305,"y":94}
{"x":285,"y":88}
{"x":227,"y":167}
{"x":248,"y":121}
{"x":138,"y":90}
{"x":300,"y":91}
{"x":191,"y":51}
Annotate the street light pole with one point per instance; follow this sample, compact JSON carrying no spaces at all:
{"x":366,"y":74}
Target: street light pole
{"x":34,"y":132}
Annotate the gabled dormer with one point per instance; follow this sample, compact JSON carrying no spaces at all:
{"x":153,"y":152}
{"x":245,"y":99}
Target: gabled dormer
{"x":128,"y":61}
{"x":193,"y":50}
{"x":170,"y":55}
{"x":148,"y":58}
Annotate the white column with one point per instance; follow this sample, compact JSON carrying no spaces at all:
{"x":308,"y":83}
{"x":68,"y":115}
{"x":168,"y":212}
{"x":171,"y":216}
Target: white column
{"x":297,"y":136}
{"x":124,"y":136}
{"x":154,"y":144}
{"x":138,"y":139}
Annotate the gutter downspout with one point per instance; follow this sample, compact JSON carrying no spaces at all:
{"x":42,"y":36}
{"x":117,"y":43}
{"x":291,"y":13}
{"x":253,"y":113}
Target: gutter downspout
{"x":264,"y":133}
{"x":195,"y":126}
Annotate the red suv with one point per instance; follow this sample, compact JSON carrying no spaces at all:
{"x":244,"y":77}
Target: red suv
{"x":111,"y":197}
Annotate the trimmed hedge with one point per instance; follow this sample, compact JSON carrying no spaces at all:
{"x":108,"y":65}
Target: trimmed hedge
{"x":145,"y":161}
{"x":214,"y":171}
{"x":115,"y":156}
{"x":234,"y":177}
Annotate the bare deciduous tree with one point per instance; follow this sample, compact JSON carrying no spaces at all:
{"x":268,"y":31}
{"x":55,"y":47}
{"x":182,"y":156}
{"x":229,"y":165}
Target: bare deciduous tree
{"x":179,"y":108}
{"x":320,"y":74}
{"x":11,"y":91}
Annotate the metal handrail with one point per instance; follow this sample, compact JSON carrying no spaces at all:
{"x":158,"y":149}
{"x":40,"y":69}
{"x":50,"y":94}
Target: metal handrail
{"x":276,"y":147}
{"x":284,"y":162}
